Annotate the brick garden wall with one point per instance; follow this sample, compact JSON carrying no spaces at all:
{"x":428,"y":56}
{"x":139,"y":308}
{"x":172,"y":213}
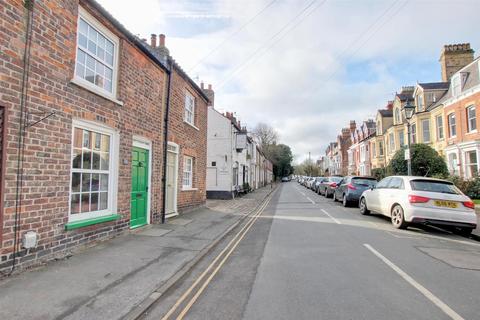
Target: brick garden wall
{"x":45,"y":193}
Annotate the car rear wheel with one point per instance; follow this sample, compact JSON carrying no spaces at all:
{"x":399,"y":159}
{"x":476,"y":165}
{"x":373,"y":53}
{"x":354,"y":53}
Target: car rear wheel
{"x":345,"y":201}
{"x":398,"y":218}
{"x":363,"y":207}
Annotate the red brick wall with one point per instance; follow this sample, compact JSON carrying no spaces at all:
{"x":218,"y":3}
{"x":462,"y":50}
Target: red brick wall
{"x":459,"y":108}
{"x":48,"y":144}
{"x":192,"y":141}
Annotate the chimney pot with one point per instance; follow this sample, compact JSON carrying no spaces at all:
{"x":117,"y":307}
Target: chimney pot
{"x":209,"y":87}
{"x":202,"y":85}
{"x":153,"y":40}
{"x":162,"y":40}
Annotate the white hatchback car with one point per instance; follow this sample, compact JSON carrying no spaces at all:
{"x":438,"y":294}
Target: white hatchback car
{"x":420,"y":200}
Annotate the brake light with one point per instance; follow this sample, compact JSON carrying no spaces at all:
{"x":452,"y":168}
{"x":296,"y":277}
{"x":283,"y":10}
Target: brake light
{"x":351,"y":187}
{"x":333,"y":185}
{"x":469,"y":204}
{"x":417,"y":199}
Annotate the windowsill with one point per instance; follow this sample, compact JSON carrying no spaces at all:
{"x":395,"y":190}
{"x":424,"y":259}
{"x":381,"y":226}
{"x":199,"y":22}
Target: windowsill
{"x":92,"y":88}
{"x":88,"y":222}
{"x":189,"y":189}
{"x":191,"y":125}
{"x":471,"y":132}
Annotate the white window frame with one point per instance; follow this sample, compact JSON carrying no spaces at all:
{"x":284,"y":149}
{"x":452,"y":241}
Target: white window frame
{"x":468,"y":164}
{"x":391,"y":142}
{"x":456,"y":85}
{"x":427,"y":123}
{"x":83,"y":14}
{"x":439,"y":123}
{"x":189,"y":115}
{"x":401,"y":138}
{"x":189,"y":184}
{"x":469,"y":119}
{"x":420,"y":104}
{"x":449,"y":117}
{"x":113,"y":171}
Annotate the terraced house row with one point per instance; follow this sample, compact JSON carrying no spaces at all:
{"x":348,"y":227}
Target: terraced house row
{"x":446,"y":118}
{"x":101,"y":132}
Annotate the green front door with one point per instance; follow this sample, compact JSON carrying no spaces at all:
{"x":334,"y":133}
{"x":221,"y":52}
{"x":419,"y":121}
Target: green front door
{"x":139,"y":195}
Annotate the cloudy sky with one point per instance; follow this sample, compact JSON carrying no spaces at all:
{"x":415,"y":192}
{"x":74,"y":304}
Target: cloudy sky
{"x":306,"y":67}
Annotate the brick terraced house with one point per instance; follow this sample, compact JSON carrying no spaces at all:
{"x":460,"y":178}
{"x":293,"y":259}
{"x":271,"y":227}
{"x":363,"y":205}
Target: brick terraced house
{"x":84,"y":107}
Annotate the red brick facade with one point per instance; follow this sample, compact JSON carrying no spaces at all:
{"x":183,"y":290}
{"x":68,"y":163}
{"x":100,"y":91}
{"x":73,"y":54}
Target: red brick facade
{"x":191,"y":139}
{"x":138,"y":110}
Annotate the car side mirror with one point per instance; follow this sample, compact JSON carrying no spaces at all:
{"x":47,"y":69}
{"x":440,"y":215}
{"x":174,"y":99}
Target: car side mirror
{"x":372,"y":187}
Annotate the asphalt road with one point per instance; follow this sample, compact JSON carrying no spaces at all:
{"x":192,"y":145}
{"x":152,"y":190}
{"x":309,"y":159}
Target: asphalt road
{"x":307,"y":257}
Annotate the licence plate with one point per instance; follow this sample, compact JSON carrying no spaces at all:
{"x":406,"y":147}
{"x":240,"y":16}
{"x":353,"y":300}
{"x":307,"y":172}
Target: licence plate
{"x":446,"y":204}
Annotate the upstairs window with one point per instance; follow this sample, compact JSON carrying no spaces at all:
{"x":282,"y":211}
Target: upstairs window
{"x":452,"y":126}
{"x":414,"y":133}
{"x":189,"y":109}
{"x":456,"y":85}
{"x":401,"y":138}
{"x":420,"y":105}
{"x":426,"y":130}
{"x":391,"y":144}
{"x":397,"y":116}
{"x":439,"y":121}
{"x":471,"y":119}
{"x":96,"y":54}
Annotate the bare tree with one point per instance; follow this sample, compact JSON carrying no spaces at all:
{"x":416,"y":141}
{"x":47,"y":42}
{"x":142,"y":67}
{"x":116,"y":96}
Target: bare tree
{"x":265,"y":136}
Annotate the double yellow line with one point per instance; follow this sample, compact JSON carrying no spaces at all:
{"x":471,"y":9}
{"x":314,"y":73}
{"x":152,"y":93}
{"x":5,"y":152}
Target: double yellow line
{"x":222,"y":257}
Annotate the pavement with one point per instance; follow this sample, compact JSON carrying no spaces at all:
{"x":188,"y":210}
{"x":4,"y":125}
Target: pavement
{"x":111,"y":279}
{"x":308,"y":257}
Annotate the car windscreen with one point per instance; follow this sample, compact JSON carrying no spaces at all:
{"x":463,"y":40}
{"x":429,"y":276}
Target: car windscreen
{"x":434,"y":186}
{"x":364,"y":182}
{"x":336,"y":179}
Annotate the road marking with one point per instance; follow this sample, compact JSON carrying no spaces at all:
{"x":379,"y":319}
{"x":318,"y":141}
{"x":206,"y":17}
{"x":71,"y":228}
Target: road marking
{"x":336,"y":221}
{"x":235,"y":243}
{"x":311,"y":200}
{"x":429,"y":295}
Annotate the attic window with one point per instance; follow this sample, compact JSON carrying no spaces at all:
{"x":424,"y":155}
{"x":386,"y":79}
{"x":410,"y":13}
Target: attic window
{"x":456,"y":85}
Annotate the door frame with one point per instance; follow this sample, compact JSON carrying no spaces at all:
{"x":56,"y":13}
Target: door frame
{"x":144,"y":143}
{"x":175,"y":194}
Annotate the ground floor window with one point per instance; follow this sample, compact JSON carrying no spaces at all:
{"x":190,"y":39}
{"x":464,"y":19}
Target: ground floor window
{"x":472,"y":163}
{"x":92,"y":171}
{"x":188,"y":172}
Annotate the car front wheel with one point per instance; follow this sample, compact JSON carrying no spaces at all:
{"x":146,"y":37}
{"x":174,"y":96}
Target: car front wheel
{"x":363,"y":207}
{"x":398,"y":218}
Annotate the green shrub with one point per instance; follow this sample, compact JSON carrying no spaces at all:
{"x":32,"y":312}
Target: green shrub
{"x":379,"y":173}
{"x":425,"y":162}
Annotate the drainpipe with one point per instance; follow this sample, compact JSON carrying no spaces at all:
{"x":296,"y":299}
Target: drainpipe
{"x":22,"y":124}
{"x":165,"y":139}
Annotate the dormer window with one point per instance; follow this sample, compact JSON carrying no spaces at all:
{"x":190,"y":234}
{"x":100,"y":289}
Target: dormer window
{"x":420,"y":105}
{"x":456,"y":85}
{"x":397,"y":116}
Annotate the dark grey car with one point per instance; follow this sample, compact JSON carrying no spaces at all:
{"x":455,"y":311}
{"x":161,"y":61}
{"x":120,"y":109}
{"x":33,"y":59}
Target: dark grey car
{"x":326,"y":187}
{"x":351,"y":188}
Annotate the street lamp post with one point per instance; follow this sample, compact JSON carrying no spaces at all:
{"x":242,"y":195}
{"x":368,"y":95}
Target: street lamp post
{"x":408,"y":110}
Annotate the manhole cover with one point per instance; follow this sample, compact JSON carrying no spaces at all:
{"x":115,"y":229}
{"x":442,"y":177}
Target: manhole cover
{"x":464,"y":259}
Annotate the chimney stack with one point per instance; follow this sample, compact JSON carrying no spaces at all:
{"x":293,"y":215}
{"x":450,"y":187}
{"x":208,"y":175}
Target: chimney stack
{"x":210,"y":94}
{"x":162,"y":40}
{"x":202,"y":85}
{"x":454,"y":57}
{"x":353,"y":125}
{"x":153,"y":40}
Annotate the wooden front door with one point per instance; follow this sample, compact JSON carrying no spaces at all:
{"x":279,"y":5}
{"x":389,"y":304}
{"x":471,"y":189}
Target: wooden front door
{"x":171,"y":191}
{"x":139,"y":193}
